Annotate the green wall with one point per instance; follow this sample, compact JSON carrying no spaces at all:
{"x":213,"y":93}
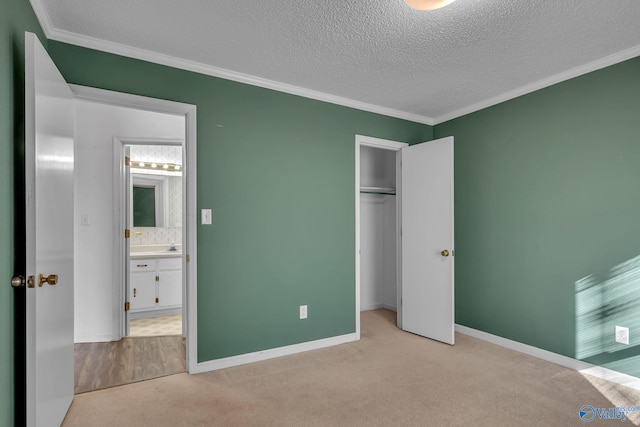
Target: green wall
{"x":547,"y":197}
{"x":278,"y":172}
{"x":548,"y":217}
{"x":16,"y":18}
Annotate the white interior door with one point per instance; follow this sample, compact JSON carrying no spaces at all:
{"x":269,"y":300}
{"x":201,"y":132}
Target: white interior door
{"x":128,"y":206}
{"x":427,"y":240}
{"x":49,"y":166}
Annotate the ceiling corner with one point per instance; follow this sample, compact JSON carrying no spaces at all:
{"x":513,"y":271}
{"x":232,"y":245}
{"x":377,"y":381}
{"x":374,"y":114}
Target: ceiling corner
{"x":43,"y":17}
{"x":598,"y":64}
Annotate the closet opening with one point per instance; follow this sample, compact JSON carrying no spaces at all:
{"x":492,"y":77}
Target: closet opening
{"x":378,"y":254}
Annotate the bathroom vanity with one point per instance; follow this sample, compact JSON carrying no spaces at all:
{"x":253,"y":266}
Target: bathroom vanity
{"x":155,"y":283}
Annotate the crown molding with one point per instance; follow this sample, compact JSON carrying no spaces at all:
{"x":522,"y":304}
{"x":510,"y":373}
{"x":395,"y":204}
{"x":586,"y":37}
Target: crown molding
{"x":541,"y":84}
{"x":43,"y":17}
{"x":197,"y":67}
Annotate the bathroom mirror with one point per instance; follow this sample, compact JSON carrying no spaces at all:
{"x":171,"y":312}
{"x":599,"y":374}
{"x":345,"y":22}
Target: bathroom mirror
{"x":144,"y":207}
{"x":156,"y":200}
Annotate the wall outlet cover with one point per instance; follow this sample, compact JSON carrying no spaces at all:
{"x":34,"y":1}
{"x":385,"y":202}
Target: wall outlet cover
{"x":622,"y":335}
{"x":303,"y":312}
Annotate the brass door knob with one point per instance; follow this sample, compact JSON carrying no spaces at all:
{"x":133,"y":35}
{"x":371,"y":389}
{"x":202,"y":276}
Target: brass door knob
{"x":444,"y":253}
{"x":51,"y":279}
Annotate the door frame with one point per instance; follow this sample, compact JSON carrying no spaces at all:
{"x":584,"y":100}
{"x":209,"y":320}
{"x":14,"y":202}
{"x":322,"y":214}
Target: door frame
{"x":120,"y":254}
{"x":188,"y":111}
{"x":384,"y":144}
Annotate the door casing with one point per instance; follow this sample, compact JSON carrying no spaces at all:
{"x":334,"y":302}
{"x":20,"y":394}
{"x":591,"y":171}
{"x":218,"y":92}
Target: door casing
{"x":399,"y":148}
{"x":121,"y":252}
{"x":189,"y":185}
{"x":384,"y":144}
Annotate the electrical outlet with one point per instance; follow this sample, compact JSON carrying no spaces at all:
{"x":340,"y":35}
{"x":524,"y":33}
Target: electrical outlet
{"x":622,"y":335}
{"x":303,"y":312}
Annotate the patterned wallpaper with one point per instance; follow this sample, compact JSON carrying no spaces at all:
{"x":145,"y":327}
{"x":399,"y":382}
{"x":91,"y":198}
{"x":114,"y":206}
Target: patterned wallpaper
{"x":157,"y":153}
{"x":156,"y":235}
{"x":175,"y":201}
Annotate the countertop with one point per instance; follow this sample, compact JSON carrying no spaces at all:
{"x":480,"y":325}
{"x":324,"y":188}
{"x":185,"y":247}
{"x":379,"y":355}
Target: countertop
{"x":156,"y":254}
{"x":154,"y":251}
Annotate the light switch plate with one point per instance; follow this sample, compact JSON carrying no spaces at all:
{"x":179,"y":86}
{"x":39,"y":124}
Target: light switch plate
{"x":303,"y":312}
{"x":206,"y":216}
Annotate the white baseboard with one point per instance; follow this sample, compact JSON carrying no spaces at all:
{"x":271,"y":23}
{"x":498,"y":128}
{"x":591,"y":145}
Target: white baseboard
{"x":378,"y":306}
{"x":370,"y":307}
{"x":82,"y":338}
{"x":613,"y":376}
{"x":558,"y":359}
{"x":257,"y":356}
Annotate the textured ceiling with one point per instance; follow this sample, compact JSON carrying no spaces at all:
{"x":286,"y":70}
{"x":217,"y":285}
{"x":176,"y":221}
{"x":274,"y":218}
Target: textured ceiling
{"x":435,"y":65}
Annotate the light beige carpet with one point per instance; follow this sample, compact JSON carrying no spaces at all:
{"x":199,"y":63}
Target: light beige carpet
{"x":388,"y":378}
{"x":156,"y":326}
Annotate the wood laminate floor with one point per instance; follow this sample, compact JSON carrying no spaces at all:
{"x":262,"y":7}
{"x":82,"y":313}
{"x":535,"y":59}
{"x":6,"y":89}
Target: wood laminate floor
{"x":108,"y":364}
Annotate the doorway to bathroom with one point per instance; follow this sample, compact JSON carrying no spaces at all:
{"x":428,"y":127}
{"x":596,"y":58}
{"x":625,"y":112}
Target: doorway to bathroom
{"x":133,"y":235}
{"x":153,"y":191}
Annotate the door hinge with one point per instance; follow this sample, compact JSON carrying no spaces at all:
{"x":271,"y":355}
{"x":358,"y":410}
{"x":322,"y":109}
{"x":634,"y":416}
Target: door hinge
{"x":127,"y":233}
{"x":127,"y":306}
{"x":127,"y":161}
{"x":157,"y":300}
{"x":188,"y":259}
{"x":157,"y":278}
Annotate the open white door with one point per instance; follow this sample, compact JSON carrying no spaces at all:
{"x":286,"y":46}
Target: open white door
{"x":128,"y":204}
{"x":427,"y":240}
{"x":49,"y":166}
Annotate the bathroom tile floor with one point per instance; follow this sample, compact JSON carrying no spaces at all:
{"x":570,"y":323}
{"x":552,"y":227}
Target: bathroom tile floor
{"x":156,"y":326}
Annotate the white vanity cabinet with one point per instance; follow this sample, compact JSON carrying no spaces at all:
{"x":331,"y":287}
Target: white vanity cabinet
{"x":142,"y":289}
{"x":155,"y":286}
{"x":169,"y":282}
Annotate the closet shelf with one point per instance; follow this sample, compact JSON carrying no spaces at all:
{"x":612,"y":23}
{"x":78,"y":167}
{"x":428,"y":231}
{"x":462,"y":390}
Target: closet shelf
{"x":377,"y":190}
